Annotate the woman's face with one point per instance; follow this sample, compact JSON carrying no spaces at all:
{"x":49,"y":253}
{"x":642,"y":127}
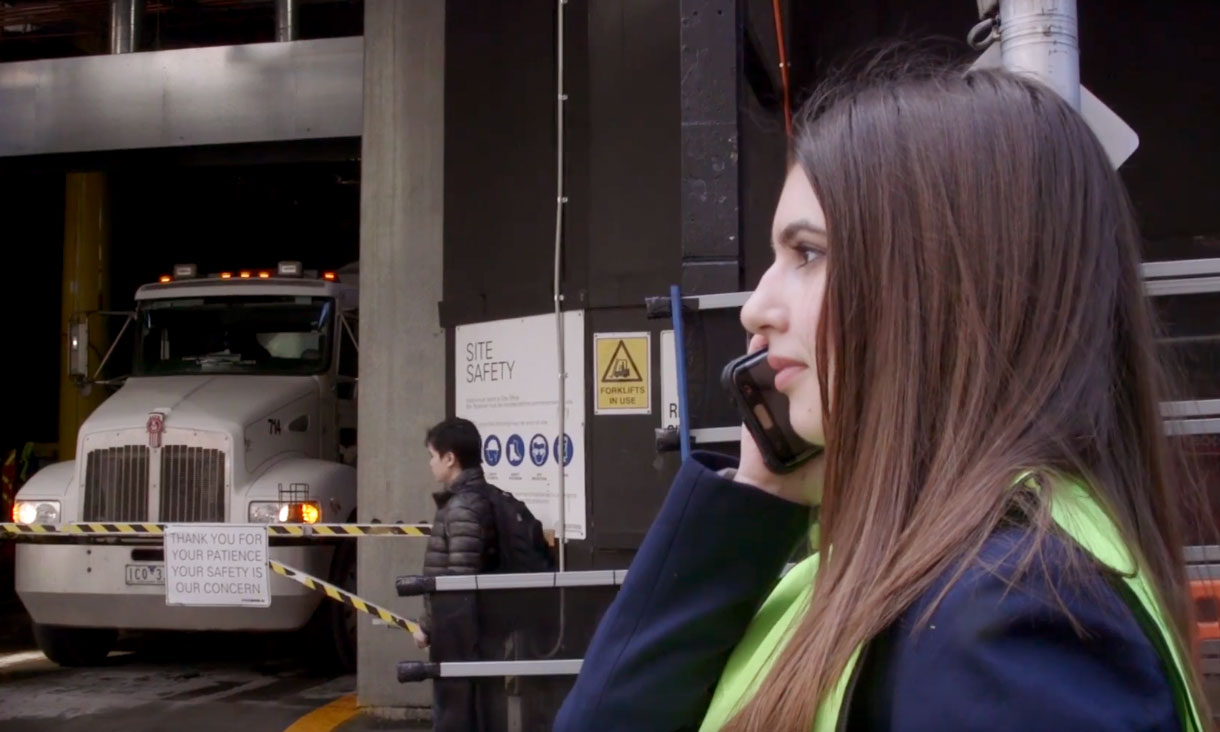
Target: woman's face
{"x":787,"y":304}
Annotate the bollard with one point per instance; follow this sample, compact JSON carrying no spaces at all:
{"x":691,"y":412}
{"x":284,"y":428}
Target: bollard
{"x":413,"y":671}
{"x":413,"y":585}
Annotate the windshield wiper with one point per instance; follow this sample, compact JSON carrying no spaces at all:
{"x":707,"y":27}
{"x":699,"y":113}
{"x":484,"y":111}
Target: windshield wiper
{"x":220,"y":358}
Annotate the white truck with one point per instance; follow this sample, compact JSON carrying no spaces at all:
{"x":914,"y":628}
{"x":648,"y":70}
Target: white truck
{"x":240,"y":408}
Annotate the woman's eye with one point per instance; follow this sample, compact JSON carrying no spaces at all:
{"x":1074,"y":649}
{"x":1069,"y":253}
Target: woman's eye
{"x":807,"y":254}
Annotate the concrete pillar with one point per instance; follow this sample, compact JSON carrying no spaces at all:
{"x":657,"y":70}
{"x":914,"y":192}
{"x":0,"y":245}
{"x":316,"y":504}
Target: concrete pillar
{"x":86,"y":290}
{"x":402,"y":346}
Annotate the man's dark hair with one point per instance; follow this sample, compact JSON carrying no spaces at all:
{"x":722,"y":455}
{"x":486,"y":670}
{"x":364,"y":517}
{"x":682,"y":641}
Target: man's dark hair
{"x":460,"y":437}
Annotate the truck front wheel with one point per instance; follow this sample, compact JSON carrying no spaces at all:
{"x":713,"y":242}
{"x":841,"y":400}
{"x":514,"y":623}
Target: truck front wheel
{"x":332,"y":630}
{"x":75,"y":646}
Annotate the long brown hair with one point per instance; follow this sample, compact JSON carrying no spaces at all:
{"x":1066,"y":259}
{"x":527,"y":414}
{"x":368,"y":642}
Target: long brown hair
{"x":984,"y":314}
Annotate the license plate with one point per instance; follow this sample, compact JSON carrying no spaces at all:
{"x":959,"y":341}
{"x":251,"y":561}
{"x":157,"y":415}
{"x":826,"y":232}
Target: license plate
{"x":146,"y":574}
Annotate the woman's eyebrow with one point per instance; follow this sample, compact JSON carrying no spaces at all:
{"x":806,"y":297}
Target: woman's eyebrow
{"x":790,"y":231}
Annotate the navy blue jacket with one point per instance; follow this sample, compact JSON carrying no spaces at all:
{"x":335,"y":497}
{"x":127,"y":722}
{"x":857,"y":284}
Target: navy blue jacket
{"x":992,"y":656}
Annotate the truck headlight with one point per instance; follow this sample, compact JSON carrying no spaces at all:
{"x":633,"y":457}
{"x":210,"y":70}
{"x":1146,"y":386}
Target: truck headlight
{"x":297,"y":512}
{"x":36,"y":512}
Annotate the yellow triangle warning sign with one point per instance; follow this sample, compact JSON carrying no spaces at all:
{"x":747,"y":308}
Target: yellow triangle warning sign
{"x":623,"y":384}
{"x":621,"y":367}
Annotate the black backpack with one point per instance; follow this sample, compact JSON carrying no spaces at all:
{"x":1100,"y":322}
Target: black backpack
{"x":521,"y":542}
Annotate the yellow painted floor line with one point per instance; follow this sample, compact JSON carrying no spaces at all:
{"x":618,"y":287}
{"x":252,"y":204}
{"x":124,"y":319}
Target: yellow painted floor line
{"x":327,"y":718}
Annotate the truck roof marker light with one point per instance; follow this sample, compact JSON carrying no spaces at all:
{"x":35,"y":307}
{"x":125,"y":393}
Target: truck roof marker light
{"x":166,"y":278}
{"x":330,"y":276}
{"x":245,"y":275}
{"x":264,"y":275}
{"x":226,"y":275}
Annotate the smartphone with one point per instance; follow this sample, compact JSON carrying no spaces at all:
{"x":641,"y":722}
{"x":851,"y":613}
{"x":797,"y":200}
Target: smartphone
{"x":750,"y":381}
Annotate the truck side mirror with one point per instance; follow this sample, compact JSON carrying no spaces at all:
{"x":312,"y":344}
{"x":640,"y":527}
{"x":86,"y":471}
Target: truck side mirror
{"x":78,"y":349}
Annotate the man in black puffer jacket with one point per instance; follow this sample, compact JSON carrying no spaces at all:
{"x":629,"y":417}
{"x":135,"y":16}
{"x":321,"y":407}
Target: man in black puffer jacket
{"x":463,"y":541}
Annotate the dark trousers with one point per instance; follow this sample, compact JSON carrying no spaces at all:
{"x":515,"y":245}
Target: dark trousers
{"x":458,"y":704}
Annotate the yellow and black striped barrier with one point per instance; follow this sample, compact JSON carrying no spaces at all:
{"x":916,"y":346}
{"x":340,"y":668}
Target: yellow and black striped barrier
{"x":349,"y":530}
{"x":81,"y":529}
{"x":343,"y":596}
{"x":300,"y":531}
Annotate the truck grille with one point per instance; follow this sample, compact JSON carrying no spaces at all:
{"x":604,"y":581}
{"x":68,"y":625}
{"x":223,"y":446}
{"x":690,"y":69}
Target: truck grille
{"x":116,"y":484}
{"x":192,"y":484}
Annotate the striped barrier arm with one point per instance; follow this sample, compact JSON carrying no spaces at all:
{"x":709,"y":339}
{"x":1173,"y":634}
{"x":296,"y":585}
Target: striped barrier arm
{"x":300,"y":531}
{"x":343,"y":596}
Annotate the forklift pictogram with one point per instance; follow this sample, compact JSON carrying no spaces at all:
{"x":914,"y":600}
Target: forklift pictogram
{"x":622,"y":366}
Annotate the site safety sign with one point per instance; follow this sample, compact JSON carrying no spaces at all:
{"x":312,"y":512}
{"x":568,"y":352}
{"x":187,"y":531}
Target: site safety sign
{"x":624,"y":385}
{"x":506,"y":373}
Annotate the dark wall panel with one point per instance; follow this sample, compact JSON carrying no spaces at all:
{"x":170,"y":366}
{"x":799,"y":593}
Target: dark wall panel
{"x":763,"y":143}
{"x":31,"y":242}
{"x":711,"y":43}
{"x":627,"y":478}
{"x":500,"y":165}
{"x":634,"y":237}
{"x":622,"y":236}
{"x":1157,"y":65}
{"x":633,"y":245}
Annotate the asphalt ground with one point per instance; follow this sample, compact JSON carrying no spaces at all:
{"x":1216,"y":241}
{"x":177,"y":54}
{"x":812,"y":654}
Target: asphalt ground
{"x":163,"y":682}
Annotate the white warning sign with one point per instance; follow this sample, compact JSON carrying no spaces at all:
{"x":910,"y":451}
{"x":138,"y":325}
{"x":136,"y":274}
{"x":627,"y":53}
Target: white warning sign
{"x":216,"y":565}
{"x":669,"y":381}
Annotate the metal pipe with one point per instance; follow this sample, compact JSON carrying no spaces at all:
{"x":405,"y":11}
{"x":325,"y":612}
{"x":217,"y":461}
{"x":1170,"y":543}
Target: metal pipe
{"x":560,"y":200}
{"x":287,"y":20}
{"x":1039,"y":38}
{"x":675,"y":300}
{"x":126,"y":19}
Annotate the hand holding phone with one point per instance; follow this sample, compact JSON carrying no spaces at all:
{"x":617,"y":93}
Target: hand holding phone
{"x":774,"y":459}
{"x":750,"y":380}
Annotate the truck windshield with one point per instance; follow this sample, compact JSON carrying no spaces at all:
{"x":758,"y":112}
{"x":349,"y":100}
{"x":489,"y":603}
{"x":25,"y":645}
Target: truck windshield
{"x":236,"y":335}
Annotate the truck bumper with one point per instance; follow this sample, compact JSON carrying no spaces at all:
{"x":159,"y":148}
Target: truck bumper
{"x":86,"y":586}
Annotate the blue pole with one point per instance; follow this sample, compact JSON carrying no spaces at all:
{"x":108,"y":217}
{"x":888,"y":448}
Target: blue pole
{"x":675,"y":307}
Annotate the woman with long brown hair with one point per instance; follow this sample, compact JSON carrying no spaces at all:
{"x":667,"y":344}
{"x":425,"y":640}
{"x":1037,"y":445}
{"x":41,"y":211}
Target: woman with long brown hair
{"x":955,"y":313}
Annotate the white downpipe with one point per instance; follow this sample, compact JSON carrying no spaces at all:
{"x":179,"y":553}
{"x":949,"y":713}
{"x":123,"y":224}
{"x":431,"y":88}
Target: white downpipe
{"x":560,"y":200}
{"x":1040,"y":38}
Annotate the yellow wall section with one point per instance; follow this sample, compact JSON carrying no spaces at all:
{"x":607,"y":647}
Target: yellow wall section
{"x":86,"y":290}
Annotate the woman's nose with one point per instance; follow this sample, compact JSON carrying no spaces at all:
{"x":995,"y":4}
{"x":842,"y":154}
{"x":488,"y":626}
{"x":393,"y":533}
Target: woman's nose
{"x":764,"y":312}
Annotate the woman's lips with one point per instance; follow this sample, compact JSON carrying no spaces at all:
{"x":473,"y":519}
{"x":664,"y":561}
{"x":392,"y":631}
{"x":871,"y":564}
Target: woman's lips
{"x":786,"y":370}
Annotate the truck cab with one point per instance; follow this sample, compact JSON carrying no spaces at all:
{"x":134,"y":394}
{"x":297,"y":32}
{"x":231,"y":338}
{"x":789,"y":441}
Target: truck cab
{"x":240,"y":408}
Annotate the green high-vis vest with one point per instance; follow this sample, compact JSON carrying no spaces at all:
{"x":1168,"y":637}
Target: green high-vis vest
{"x":1074,"y":511}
